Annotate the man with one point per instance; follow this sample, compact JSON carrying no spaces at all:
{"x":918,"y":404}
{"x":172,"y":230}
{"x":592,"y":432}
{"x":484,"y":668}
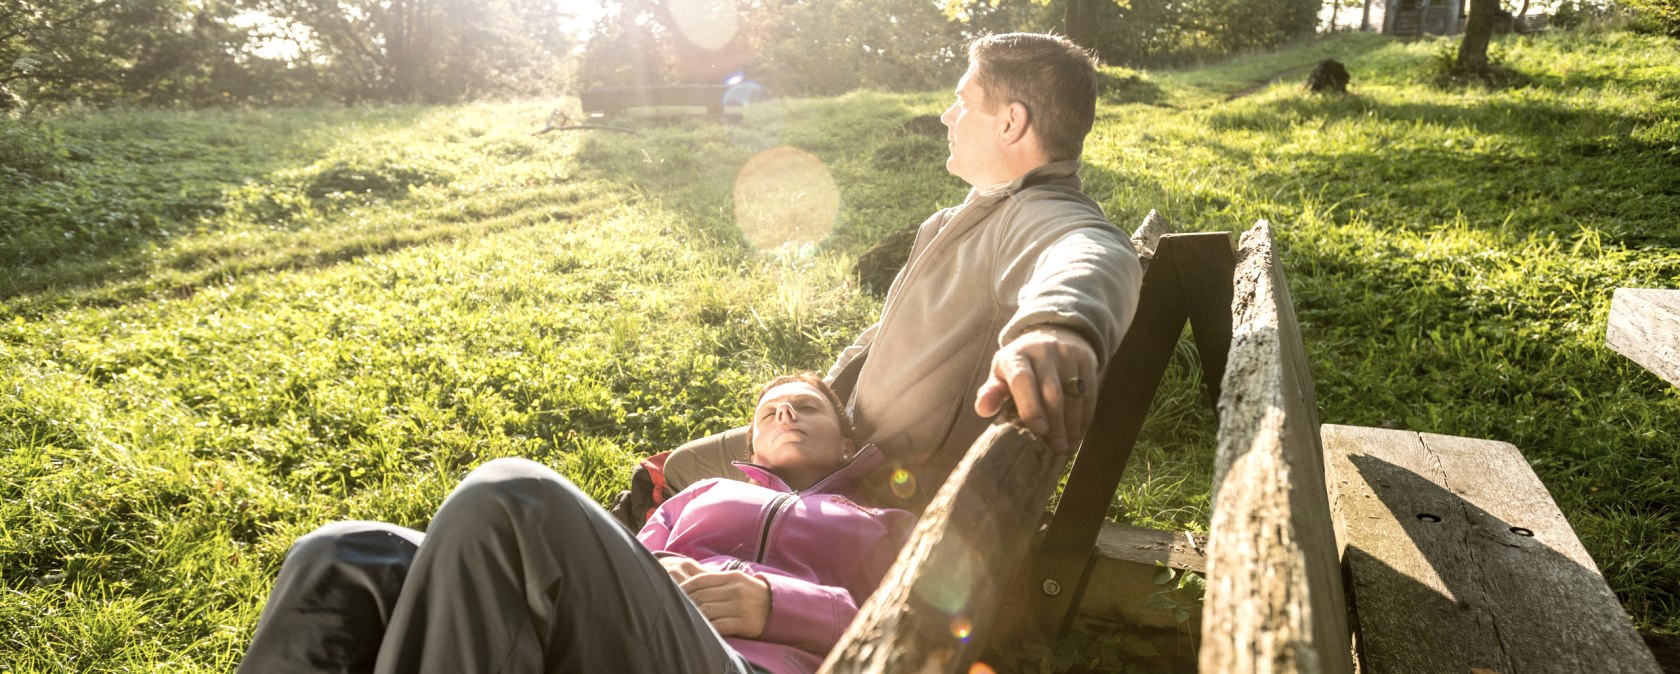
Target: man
{"x":1019,"y":293}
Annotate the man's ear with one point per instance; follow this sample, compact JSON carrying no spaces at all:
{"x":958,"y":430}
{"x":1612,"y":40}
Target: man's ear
{"x":1015,"y":121}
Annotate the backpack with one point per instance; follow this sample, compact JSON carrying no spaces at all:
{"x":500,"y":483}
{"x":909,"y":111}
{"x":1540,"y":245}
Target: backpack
{"x":647,"y":490}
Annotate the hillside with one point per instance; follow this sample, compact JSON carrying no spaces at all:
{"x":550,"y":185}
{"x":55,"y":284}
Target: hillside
{"x":221,"y":329}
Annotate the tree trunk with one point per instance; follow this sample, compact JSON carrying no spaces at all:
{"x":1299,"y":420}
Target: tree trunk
{"x":1478,"y":30}
{"x":1077,"y":21}
{"x":1365,"y":16}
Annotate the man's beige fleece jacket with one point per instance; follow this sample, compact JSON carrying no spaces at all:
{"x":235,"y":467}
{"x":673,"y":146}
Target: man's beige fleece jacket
{"x":1033,"y":252}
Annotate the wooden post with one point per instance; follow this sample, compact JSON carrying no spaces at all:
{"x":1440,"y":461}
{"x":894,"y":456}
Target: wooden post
{"x":1274,"y":599}
{"x":1645,"y":326}
{"x":939,"y":597}
{"x":1185,"y":273}
{"x":1063,"y":559}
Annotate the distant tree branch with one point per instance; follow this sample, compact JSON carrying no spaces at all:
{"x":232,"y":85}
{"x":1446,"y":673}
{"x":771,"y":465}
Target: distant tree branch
{"x":60,"y":22}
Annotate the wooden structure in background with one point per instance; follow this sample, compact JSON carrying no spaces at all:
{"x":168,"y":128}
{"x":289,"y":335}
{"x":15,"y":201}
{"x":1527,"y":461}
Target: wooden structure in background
{"x":1277,"y":599}
{"x":609,"y":101}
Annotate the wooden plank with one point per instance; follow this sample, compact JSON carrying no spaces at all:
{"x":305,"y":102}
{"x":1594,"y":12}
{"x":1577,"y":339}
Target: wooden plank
{"x":1274,"y":599}
{"x":1645,"y":326}
{"x":1204,"y":267}
{"x":937,"y":601}
{"x":1123,"y":576}
{"x":1455,"y":543}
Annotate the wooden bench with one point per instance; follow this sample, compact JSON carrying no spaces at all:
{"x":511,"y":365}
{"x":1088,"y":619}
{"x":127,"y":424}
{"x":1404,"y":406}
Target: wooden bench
{"x":686,"y":99}
{"x":1286,"y":565}
{"x":1644,"y":325}
{"x":1454,"y":543}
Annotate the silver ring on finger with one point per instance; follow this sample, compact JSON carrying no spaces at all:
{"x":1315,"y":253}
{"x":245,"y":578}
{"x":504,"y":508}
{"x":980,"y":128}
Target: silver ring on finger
{"x":1073,"y":387}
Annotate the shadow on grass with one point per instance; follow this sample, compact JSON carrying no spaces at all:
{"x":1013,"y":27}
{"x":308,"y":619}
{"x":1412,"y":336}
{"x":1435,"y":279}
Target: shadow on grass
{"x":1509,"y":167}
{"x":131,"y":182}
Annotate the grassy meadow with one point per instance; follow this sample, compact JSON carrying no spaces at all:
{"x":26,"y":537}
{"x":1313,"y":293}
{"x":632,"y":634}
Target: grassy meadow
{"x":221,"y":329}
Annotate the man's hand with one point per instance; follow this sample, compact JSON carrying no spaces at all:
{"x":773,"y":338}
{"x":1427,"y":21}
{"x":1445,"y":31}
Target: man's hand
{"x":680,"y":568}
{"x":1032,"y":370}
{"x":737,"y":603}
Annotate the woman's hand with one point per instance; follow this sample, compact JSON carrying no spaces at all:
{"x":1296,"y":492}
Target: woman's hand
{"x":680,"y":568}
{"x":737,"y":603}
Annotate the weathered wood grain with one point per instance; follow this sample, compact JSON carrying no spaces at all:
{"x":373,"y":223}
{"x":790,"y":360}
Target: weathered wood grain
{"x":1645,"y":327}
{"x":1148,"y":236}
{"x":1123,"y":576}
{"x":1274,"y":599}
{"x":937,"y":601}
{"x":1455,"y":543}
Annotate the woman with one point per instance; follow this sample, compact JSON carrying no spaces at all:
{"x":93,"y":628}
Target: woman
{"x":520,"y":571}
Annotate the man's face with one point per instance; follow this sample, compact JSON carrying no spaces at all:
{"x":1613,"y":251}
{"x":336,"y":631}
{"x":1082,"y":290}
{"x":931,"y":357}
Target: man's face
{"x":974,"y":136}
{"x":797,"y":433}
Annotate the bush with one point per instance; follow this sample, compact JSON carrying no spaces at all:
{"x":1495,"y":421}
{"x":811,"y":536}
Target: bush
{"x":1657,"y":16}
{"x":30,"y":152}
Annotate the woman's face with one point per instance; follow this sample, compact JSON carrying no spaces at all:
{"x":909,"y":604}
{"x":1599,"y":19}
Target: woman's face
{"x":797,"y":434}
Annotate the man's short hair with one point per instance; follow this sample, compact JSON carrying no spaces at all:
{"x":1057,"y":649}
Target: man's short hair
{"x":1053,"y":77}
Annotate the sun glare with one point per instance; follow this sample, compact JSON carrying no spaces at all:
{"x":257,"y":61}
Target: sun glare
{"x":709,"y":24}
{"x":785,"y":196}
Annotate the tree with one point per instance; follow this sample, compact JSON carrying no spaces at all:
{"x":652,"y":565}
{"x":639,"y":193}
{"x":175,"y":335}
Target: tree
{"x":103,"y":50}
{"x":1662,"y":15}
{"x":428,"y":50}
{"x":1080,"y":22}
{"x":1478,"y":31}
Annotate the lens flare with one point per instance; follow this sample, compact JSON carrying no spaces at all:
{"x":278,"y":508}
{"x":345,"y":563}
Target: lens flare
{"x":981,"y":668}
{"x":785,"y":197}
{"x":961,"y":628}
{"x":903,"y":483}
{"x":743,"y":93}
{"x":709,"y":24}
{"x":960,"y":572}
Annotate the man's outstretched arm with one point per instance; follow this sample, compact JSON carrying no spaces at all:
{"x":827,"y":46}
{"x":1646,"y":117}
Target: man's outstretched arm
{"x":1074,"y":299}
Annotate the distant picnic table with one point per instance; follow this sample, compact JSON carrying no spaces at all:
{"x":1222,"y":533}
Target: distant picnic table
{"x":665,"y":99}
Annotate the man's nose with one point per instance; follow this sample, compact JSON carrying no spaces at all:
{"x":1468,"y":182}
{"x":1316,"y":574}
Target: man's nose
{"x":785,"y":411}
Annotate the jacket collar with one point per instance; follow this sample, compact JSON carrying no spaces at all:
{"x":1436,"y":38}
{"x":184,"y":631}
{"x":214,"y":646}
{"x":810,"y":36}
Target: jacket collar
{"x":1067,"y":169}
{"x":867,"y":459}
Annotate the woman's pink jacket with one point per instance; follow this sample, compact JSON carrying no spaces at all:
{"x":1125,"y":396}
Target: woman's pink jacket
{"x":820,"y":552}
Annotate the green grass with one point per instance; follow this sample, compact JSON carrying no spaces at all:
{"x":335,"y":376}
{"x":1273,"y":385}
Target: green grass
{"x":219,"y":330}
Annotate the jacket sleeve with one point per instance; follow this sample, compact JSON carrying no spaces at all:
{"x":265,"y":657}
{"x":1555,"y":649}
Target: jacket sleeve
{"x":806,"y":615}
{"x":1064,"y":265}
{"x":810,"y":616}
{"x":858,"y":348}
{"x":656,"y":533}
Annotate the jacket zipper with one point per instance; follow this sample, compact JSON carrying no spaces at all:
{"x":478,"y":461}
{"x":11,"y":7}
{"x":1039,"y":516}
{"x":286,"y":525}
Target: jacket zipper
{"x":782,"y":501}
{"x":776,"y":506}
